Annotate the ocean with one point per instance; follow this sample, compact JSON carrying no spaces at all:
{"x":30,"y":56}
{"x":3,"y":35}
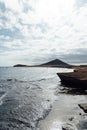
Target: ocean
{"x":27,"y":96}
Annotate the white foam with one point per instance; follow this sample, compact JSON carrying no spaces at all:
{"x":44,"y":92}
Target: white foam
{"x":1,"y":98}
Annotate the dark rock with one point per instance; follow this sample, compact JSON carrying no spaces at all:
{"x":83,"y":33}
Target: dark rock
{"x":80,"y":113}
{"x":67,"y":128}
{"x":83,"y":107}
{"x":9,"y":79}
{"x":71,"y":118}
{"x":76,"y":79}
{"x":48,"y":100}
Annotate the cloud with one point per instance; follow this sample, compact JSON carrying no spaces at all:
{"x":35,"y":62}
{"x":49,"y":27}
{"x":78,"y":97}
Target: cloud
{"x":42,"y":29}
{"x":81,"y":3}
{"x":2,"y":7}
{"x":14,"y":33}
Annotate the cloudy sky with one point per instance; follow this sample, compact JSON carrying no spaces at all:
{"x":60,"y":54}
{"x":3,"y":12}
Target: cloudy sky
{"x":35,"y":31}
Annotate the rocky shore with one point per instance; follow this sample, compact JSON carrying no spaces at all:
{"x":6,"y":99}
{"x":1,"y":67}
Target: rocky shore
{"x":66,"y":114}
{"x":75,"y":79}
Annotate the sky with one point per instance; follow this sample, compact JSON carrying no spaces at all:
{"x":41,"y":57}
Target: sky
{"x":36,"y":31}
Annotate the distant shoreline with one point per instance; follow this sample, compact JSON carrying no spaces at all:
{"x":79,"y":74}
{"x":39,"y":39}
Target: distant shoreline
{"x":50,"y":66}
{"x":53,"y":63}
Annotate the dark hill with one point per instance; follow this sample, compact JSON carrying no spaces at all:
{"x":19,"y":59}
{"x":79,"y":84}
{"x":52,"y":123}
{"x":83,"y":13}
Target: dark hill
{"x":56,"y":63}
{"x":53,"y":63}
{"x":20,"y":65}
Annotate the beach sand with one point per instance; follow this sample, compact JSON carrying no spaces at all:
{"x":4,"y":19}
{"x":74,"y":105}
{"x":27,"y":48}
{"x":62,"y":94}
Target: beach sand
{"x":66,"y":114}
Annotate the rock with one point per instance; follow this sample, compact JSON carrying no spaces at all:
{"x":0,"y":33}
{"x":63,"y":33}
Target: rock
{"x":48,"y":100}
{"x":77,"y":79}
{"x":67,"y":128}
{"x":83,"y":107}
{"x":80,"y":113}
{"x":9,"y":79}
{"x":63,"y":128}
{"x":82,"y":125}
{"x":71,"y":118}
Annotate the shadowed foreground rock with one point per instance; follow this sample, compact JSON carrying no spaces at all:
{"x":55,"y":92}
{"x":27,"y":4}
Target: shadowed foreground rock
{"x":76,"y":79}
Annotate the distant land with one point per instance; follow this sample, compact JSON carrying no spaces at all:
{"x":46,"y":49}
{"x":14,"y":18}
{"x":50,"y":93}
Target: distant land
{"x":53,"y":63}
{"x":20,"y":65}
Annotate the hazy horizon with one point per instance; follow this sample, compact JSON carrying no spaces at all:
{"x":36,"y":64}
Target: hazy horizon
{"x":37,"y":31}
{"x":67,"y":60}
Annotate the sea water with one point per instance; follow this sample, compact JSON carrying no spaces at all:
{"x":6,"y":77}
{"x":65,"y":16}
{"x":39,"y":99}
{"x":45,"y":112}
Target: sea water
{"x":26,"y":96}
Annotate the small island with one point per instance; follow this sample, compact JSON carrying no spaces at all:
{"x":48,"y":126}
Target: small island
{"x":20,"y":65}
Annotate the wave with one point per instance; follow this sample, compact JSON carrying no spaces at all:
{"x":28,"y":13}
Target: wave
{"x":2,"y":95}
{"x":25,"y":103}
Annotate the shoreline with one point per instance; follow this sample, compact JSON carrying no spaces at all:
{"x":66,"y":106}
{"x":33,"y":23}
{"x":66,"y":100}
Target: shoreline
{"x":65,"y":114}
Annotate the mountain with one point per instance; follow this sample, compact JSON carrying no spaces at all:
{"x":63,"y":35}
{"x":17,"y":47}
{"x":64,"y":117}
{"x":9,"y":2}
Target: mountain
{"x":56,"y":63}
{"x":53,"y":63}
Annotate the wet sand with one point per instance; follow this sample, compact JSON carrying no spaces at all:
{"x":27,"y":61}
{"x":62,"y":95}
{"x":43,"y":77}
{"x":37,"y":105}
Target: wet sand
{"x":66,"y":114}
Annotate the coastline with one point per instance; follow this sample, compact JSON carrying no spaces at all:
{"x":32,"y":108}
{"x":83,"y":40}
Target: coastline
{"x":65,"y":114}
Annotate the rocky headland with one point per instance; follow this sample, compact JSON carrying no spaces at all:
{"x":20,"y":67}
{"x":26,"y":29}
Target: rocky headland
{"x":75,"y":79}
